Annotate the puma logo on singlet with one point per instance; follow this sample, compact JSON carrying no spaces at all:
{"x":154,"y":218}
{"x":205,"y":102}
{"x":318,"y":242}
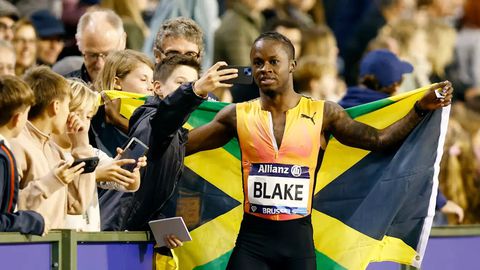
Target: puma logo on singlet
{"x":309,"y":117}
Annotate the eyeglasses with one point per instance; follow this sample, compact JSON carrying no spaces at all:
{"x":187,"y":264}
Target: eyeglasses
{"x":175,"y":52}
{"x":90,"y":56}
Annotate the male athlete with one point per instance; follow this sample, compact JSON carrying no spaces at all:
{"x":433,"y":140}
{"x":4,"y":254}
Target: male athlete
{"x":282,"y":136}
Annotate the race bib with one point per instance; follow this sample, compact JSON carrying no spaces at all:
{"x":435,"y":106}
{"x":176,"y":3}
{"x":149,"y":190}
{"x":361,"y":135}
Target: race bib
{"x":278,"y":189}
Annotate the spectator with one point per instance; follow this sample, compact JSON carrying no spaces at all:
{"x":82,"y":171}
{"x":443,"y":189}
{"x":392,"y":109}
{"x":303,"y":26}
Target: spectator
{"x":50,"y":32}
{"x":412,"y":47}
{"x":318,"y":78}
{"x":94,"y":46}
{"x":203,"y":14}
{"x":128,"y":71}
{"x":15,"y":101}
{"x":131,"y":13}
{"x":441,"y":49}
{"x":239,"y":27}
{"x":7,"y":58}
{"x":8,"y":17}
{"x":383,"y":12}
{"x":48,"y":182}
{"x":109,"y":174}
{"x":25,"y":43}
{"x":381,"y":73}
{"x":158,"y":124}
{"x":178,"y":36}
{"x":298,"y":10}
{"x":320,"y":42}
{"x":289,"y":28}
{"x":467,"y":51}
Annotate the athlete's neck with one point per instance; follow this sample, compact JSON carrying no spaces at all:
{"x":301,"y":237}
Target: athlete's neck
{"x":279,"y":101}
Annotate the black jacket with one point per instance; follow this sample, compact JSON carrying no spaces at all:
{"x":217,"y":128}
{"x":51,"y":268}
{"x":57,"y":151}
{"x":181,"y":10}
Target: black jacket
{"x":28,"y":222}
{"x":158,"y":123}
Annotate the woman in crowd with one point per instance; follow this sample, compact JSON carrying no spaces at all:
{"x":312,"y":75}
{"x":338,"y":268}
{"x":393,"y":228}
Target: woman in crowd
{"x":25,"y":43}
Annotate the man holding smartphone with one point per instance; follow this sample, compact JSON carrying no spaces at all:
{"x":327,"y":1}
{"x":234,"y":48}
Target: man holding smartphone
{"x":281,"y":236}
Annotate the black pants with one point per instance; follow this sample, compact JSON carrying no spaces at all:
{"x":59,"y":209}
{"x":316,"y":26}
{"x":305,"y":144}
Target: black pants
{"x":268,"y":245}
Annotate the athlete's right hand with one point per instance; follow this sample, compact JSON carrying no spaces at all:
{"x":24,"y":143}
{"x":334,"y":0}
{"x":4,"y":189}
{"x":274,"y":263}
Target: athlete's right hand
{"x":213,"y":79}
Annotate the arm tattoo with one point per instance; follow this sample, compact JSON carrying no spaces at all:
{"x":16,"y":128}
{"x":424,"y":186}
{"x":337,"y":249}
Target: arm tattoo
{"x":356,"y":134}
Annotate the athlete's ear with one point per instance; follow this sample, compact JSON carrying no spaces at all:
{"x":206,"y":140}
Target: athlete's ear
{"x":293,"y":66}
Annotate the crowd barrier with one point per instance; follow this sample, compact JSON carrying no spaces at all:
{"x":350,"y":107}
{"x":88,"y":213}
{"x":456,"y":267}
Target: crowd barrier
{"x":449,"y":248}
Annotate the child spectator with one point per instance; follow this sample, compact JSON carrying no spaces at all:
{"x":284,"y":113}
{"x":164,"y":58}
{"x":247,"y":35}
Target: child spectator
{"x":48,"y":182}
{"x":15,"y":101}
{"x":128,"y":71}
{"x":109,"y":174}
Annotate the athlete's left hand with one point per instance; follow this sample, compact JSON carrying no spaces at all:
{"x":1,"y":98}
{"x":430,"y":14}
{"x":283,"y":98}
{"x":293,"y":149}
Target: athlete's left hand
{"x":431,"y":101}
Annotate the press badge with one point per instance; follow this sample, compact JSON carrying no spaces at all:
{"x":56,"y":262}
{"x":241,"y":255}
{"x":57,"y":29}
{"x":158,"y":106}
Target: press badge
{"x":278,"y":189}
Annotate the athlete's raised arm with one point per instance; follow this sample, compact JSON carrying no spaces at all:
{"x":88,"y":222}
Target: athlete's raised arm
{"x":356,"y":134}
{"x":214,"y":134}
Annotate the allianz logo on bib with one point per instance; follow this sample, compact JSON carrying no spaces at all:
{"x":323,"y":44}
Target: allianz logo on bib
{"x":280,"y":170}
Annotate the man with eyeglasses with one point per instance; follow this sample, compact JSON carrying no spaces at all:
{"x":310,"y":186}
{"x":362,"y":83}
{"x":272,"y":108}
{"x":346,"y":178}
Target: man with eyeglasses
{"x":178,"y":36}
{"x":8,"y":17}
{"x":99,"y":32}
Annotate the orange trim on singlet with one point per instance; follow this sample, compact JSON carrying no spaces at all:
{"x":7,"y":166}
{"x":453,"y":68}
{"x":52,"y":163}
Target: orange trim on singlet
{"x":300,"y":145}
{"x":12,"y":178}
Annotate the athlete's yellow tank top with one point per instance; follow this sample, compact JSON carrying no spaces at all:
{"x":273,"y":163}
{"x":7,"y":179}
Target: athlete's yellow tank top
{"x":278,"y":183}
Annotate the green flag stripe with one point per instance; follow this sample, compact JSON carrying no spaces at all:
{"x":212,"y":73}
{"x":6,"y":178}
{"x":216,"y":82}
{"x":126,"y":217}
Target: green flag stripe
{"x":368,"y":107}
{"x":325,"y":263}
{"x":219,"y":263}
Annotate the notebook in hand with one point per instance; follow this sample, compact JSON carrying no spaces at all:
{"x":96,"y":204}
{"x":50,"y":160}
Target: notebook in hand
{"x":167,"y":226}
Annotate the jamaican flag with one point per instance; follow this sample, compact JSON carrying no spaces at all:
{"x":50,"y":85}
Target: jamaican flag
{"x":368,"y":206}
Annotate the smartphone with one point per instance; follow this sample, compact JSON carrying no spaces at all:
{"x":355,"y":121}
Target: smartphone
{"x":244,"y":75}
{"x":90,"y":164}
{"x":133,"y":150}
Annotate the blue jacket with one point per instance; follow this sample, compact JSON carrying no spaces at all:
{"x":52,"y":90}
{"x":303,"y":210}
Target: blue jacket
{"x":158,"y":123}
{"x":28,"y":222}
{"x":357,"y":95}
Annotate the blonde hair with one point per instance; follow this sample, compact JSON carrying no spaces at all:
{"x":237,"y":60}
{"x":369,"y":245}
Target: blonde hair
{"x":441,"y":39}
{"x":458,"y":172}
{"x":119,"y":64}
{"x":319,"y":41}
{"x":82,"y":96}
{"x":403,"y":32}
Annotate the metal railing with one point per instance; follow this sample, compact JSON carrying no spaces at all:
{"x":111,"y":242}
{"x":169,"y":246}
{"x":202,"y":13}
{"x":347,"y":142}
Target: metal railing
{"x":64,"y":243}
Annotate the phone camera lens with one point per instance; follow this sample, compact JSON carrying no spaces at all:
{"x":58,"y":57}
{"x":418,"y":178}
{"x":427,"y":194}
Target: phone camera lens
{"x":247,"y":71}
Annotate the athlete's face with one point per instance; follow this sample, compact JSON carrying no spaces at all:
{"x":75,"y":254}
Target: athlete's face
{"x":271,"y":64}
